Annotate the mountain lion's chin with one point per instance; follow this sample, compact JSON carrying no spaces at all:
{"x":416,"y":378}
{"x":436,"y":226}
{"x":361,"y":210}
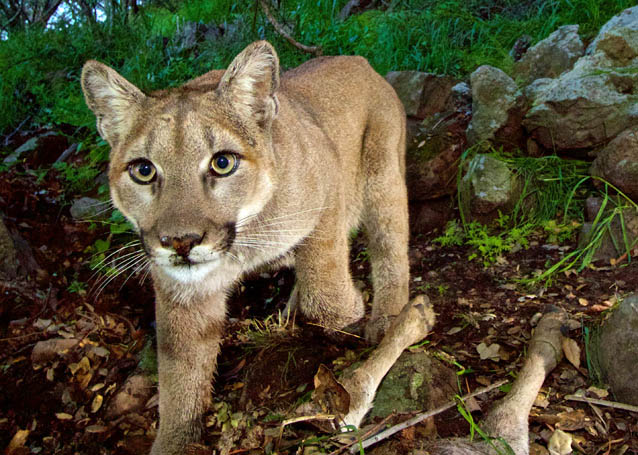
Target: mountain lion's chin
{"x":191,"y":273}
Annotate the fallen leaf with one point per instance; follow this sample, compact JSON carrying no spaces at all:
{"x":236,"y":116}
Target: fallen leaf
{"x":572,"y":351}
{"x":583,"y":301}
{"x":600,"y":393}
{"x":571,"y":420}
{"x":96,"y":429}
{"x":454,"y":330}
{"x":560,"y":443}
{"x":17,"y":441}
{"x":489,"y":352}
{"x":63,"y":416}
{"x":97,"y":403}
{"x":541,"y":401}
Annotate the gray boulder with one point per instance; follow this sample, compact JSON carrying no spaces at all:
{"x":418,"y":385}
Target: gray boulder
{"x":29,"y":146}
{"x":626,"y":23}
{"x":552,"y":56}
{"x":494,"y":96}
{"x":488,"y":186}
{"x":434,"y":147}
{"x":597,"y":99}
{"x":422,"y":94}
{"x":617,"y":163}
{"x":617,"y":350}
{"x":621,"y":233}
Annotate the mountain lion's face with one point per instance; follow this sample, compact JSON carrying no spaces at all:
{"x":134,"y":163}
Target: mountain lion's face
{"x":191,"y":167}
{"x":186,"y":181}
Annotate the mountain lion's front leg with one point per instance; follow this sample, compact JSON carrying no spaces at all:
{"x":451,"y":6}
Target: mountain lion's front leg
{"x":324,"y":290}
{"x":188,"y":338}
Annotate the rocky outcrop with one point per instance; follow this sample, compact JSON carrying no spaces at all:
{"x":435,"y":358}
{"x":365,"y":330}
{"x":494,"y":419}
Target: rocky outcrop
{"x":615,"y":237}
{"x":422,"y":94}
{"x":596,"y":100}
{"x":495,"y":101}
{"x":488,"y":186}
{"x":550,"y":57}
{"x":617,"y":350}
{"x":617,"y":163}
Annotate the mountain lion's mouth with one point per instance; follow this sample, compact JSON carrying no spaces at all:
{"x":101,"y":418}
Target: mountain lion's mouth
{"x":188,"y":272}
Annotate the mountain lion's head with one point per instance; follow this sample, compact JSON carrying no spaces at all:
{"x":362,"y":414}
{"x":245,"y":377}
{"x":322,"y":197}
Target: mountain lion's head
{"x":191,"y":167}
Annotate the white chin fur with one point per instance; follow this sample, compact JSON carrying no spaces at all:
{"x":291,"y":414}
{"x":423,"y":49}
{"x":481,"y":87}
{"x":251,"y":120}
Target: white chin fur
{"x":191,"y":273}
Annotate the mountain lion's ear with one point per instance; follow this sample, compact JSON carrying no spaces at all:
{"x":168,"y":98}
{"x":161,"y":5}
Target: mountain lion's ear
{"x":251,"y":81}
{"x":114,"y":100}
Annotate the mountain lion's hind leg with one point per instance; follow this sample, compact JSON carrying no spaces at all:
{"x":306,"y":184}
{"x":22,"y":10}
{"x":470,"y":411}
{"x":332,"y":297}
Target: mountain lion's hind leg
{"x":385,"y":218}
{"x":324,"y":291}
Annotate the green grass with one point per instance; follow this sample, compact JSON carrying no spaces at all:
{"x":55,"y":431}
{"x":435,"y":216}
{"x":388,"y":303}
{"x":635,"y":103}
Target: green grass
{"x":40,"y":68}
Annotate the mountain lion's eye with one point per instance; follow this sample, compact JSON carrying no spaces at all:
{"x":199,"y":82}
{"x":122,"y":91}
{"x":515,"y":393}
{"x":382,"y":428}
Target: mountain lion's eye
{"x":224,"y":163}
{"x":142,"y":172}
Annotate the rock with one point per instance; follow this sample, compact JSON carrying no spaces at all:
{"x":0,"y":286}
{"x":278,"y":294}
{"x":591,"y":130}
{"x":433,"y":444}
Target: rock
{"x":422,"y":94}
{"x":533,"y":90}
{"x":627,"y":20}
{"x":131,"y":397}
{"x":87,"y":208}
{"x":612,"y":243}
{"x":520,"y":47}
{"x":415,"y":382}
{"x":550,"y":57}
{"x":429,"y":215}
{"x":434,"y":147}
{"x":14,"y":156}
{"x":617,"y":163}
{"x":40,"y":150}
{"x":597,"y":99}
{"x":592,"y":207}
{"x":494,"y":96}
{"x":617,"y":350}
{"x":432,"y":157}
{"x":409,"y":88}
{"x":488,"y":186}
{"x":8,"y":254}
{"x":43,"y":351}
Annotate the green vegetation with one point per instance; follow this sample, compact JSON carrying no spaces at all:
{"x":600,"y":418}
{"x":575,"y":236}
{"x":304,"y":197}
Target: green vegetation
{"x":163,"y":44}
{"x":40,"y":67}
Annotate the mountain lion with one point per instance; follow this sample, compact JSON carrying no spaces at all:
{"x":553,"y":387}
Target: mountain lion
{"x":240,"y":169}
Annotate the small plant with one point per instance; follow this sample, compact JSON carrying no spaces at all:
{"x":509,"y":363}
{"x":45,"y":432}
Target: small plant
{"x":502,"y":448}
{"x":453,"y":235}
{"x":77,"y":287}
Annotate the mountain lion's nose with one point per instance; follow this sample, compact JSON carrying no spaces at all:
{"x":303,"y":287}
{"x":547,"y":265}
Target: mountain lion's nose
{"x":182,"y":245}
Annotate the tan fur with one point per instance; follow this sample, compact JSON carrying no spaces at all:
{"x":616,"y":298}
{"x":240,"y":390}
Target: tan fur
{"x":321,"y":152}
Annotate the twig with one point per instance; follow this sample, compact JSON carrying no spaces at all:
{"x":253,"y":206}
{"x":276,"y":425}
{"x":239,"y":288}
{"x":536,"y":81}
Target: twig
{"x":280,"y":29}
{"x":69,"y":150}
{"x":10,"y":135}
{"x":372,"y":430}
{"x":420,"y":417}
{"x":302,"y":419}
{"x":610,"y":404}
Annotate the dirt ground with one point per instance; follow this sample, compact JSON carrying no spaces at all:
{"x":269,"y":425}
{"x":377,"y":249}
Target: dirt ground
{"x":64,"y":404}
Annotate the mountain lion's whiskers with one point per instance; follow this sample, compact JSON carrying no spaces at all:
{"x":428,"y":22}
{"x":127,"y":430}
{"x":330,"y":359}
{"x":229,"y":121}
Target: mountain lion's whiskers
{"x":132,"y":260}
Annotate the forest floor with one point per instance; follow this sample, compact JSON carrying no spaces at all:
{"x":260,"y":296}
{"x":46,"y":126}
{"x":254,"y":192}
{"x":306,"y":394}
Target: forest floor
{"x":63,"y":404}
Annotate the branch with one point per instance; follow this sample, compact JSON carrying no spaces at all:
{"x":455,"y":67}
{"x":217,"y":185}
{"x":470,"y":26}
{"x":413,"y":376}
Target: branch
{"x":280,"y":29}
{"x":419,"y":418}
{"x":611,"y":404}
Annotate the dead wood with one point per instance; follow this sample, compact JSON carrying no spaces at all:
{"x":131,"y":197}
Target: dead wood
{"x":316,"y":50}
